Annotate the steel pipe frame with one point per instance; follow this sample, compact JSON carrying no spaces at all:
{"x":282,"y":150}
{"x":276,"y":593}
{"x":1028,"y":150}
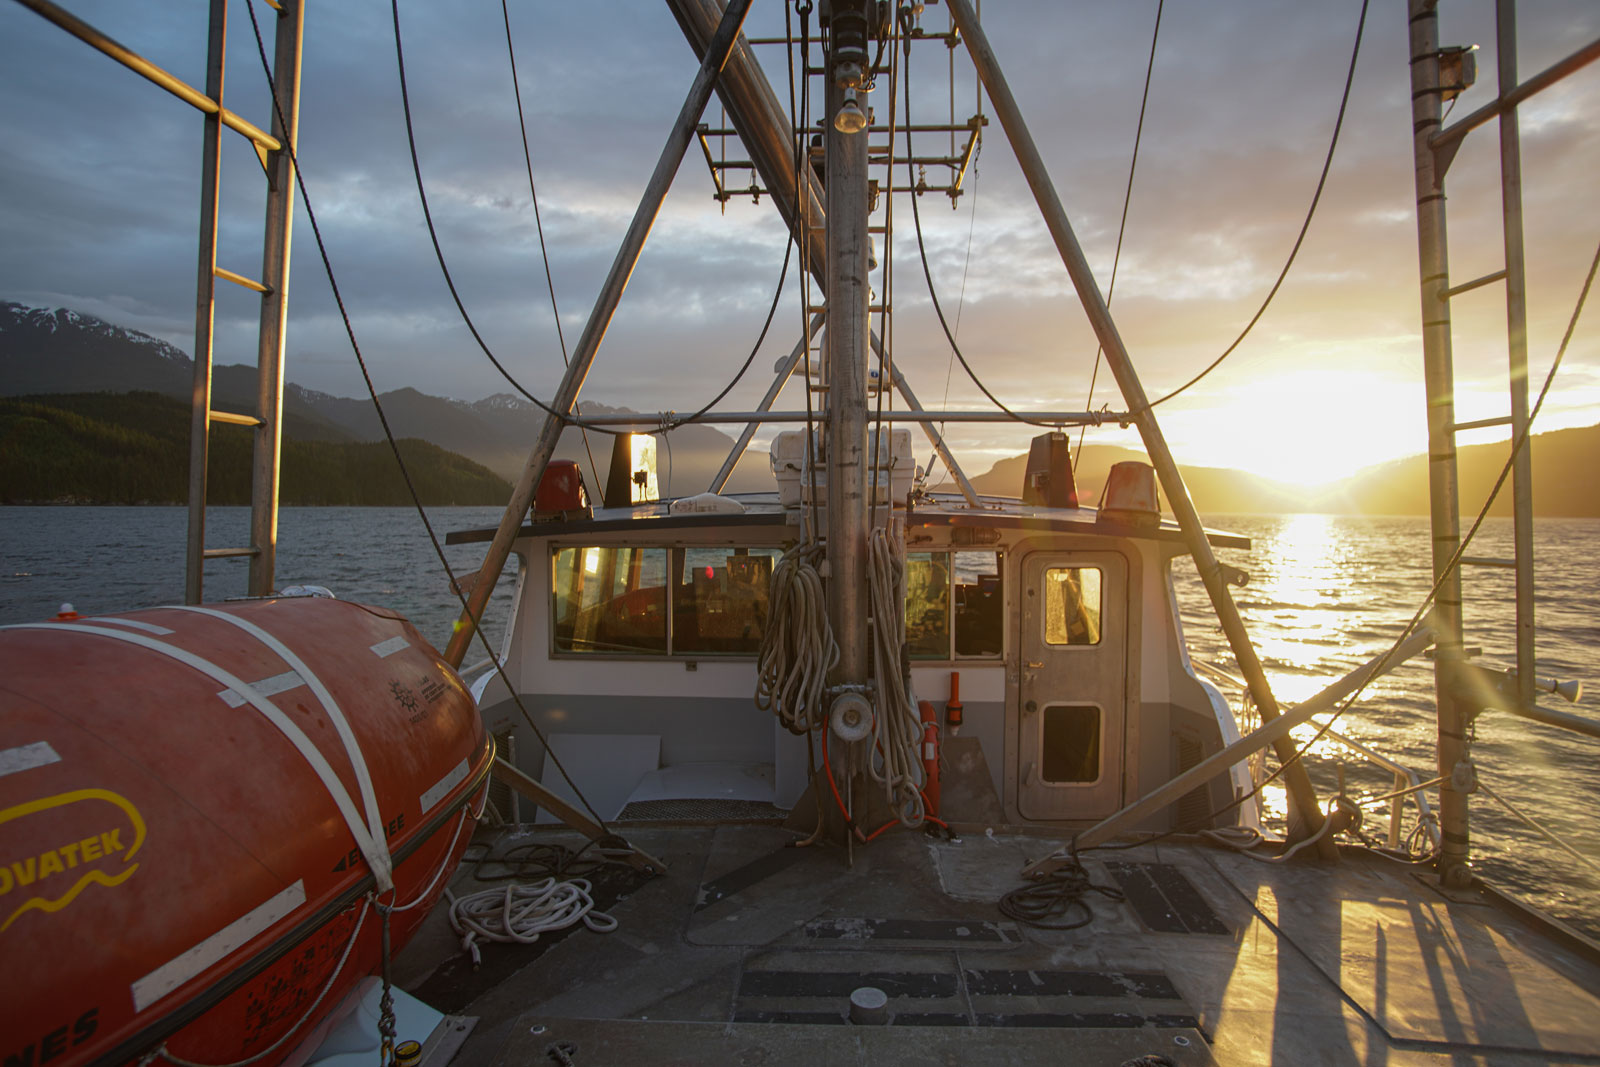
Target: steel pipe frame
{"x":644,"y":423}
{"x":594,"y":331}
{"x":205,"y":309}
{"x":1516,"y":342}
{"x":209,"y":103}
{"x":1443,"y":484}
{"x":1305,"y":815}
{"x":279,"y":229}
{"x":785,"y":369}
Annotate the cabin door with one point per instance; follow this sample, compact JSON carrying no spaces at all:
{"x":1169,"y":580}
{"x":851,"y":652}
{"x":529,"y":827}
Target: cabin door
{"x":1072,"y":686}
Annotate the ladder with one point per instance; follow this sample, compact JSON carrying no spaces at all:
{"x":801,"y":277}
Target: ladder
{"x":277,"y":162}
{"x":1437,"y":75}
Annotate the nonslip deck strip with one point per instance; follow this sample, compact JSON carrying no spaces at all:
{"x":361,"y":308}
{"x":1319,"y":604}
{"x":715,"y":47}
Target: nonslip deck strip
{"x":1165,"y":900}
{"x":1070,"y":984}
{"x":742,"y":878}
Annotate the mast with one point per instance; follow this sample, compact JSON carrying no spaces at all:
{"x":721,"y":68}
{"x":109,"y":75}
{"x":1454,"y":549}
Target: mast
{"x":846,"y":347}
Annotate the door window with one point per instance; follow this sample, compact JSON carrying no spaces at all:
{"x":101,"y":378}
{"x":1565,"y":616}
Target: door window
{"x":1072,"y":605}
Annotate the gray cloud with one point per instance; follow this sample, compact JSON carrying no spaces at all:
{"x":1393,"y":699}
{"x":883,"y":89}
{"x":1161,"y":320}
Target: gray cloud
{"x":99,"y":174}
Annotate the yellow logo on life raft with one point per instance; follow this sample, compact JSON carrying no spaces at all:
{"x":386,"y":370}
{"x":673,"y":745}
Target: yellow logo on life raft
{"x":57,"y":864}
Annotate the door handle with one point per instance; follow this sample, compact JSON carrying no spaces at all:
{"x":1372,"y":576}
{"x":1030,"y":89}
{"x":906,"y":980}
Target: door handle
{"x":1034,"y":665}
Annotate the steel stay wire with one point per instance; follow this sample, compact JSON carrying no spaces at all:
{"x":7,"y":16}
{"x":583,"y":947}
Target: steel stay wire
{"x":922,"y":250}
{"x":1327,"y":165}
{"x":667,"y":424}
{"x":383,"y":420}
{"x":1453,"y":563}
{"x":538,"y":222}
{"x":1122,"y":226}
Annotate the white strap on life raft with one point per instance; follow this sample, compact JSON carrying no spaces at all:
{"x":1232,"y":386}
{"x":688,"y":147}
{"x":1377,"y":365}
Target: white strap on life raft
{"x":374,"y":849}
{"x":352,"y":748}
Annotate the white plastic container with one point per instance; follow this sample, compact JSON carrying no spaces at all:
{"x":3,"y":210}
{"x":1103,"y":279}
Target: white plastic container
{"x":889,"y":483}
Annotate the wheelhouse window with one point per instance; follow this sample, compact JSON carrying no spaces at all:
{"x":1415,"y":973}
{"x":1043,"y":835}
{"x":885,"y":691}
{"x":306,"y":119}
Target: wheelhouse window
{"x":719,"y":599}
{"x":1072,"y":605}
{"x":954,"y":605}
{"x":610,"y":600}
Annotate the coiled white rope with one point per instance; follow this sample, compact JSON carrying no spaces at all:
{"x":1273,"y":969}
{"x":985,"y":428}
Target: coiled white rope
{"x":797,"y":649}
{"x":518,"y":914}
{"x":896,"y":726}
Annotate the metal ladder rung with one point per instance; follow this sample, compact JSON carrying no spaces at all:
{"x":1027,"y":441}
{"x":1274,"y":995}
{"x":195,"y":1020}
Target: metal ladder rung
{"x":1488,"y":561}
{"x":233,"y":419}
{"x":239,"y":279}
{"x":1467,"y":287}
{"x":225,"y":553}
{"x":1480,"y":424}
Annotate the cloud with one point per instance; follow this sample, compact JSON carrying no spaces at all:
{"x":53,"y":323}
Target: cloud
{"x":99,"y":181}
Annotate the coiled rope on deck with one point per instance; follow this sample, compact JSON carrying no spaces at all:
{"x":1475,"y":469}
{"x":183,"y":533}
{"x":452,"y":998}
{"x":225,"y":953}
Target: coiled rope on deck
{"x":520,"y":914}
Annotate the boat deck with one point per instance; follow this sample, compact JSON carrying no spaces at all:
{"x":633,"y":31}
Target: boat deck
{"x":747,"y":951}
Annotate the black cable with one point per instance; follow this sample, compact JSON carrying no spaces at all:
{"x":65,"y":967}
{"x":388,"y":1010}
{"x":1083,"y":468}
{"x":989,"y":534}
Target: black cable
{"x":1453,"y":563}
{"x":1327,"y":165}
{"x":1058,"y":901}
{"x":1122,"y":227}
{"x":388,"y":433}
{"x":538,"y":222}
{"x":927,"y":273}
{"x":427,"y":214}
{"x":433,"y":234}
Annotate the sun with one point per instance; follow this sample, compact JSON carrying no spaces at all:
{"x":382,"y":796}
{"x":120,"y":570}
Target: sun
{"x":1305,"y":427}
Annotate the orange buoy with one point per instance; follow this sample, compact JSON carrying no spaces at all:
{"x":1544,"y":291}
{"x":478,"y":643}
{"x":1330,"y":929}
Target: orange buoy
{"x":200,"y":809}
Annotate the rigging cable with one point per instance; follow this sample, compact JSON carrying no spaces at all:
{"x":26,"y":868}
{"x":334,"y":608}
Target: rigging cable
{"x":466,"y":318}
{"x":1122,"y":227}
{"x":388,"y":433}
{"x":538,"y":222}
{"x":927,"y":273}
{"x":433,"y":233}
{"x":1327,"y":165}
{"x":1451,"y":564}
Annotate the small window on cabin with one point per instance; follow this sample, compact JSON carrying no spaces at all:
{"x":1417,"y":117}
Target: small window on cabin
{"x":979,"y":604}
{"x":928,"y":605}
{"x":719,"y":599}
{"x":1072,"y":605}
{"x":610,"y":601}
{"x":955,"y":605}
{"x":1071,"y":746}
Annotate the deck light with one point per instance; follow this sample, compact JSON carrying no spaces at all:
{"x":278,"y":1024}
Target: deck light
{"x":850,"y":119}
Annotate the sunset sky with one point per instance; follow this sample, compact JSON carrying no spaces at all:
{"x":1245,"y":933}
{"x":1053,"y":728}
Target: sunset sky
{"x":99,"y":174}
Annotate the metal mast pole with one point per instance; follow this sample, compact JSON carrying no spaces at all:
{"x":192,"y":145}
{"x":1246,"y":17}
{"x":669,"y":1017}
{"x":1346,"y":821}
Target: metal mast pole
{"x":275,"y":301}
{"x":846,"y":344}
{"x":594,"y":330}
{"x":1517,"y":338}
{"x":1303,"y":799}
{"x":1443,"y":492}
{"x":205,"y":309}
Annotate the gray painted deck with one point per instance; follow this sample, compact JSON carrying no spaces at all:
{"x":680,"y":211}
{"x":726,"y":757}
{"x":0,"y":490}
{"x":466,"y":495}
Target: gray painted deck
{"x":1359,"y":962}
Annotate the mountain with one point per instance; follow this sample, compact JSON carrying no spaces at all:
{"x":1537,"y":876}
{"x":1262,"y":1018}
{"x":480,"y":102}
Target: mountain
{"x":45,"y":350}
{"x":133,"y":448}
{"x":1563,"y":483}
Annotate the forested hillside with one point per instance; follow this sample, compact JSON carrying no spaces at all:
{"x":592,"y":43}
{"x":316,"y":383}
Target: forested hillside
{"x":133,"y":448}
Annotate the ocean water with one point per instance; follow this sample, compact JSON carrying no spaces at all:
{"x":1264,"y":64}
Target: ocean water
{"x":1325,"y":595}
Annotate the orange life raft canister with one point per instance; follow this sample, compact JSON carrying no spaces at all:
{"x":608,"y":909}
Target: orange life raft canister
{"x":201,"y":810}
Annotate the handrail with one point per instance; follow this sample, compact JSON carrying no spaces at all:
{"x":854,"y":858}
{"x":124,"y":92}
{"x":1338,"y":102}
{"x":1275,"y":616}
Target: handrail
{"x":1405,"y":778}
